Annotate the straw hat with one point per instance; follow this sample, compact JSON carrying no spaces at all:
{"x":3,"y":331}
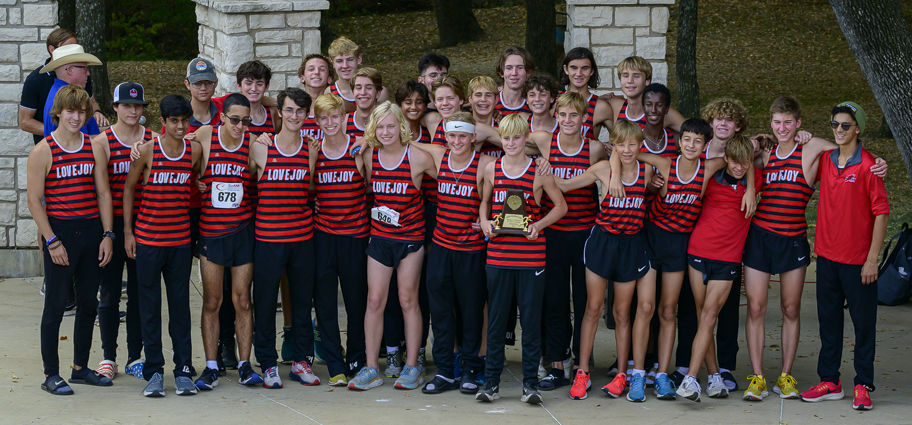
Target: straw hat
{"x":71,"y":53}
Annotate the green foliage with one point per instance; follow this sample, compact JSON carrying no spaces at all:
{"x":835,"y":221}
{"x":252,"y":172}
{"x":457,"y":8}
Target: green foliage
{"x":131,"y":40}
{"x":151,"y":29}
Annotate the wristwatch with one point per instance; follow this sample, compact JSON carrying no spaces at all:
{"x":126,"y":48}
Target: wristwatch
{"x":109,"y":234}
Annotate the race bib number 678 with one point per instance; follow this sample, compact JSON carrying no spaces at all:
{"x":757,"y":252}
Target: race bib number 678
{"x":227,"y":195}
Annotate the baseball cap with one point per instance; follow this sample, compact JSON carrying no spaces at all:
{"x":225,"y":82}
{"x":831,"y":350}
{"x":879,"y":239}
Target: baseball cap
{"x":130,"y":93}
{"x":200,"y":69}
{"x":860,"y":116}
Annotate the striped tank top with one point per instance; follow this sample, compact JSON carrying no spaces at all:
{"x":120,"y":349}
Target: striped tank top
{"x":341,"y":203}
{"x":267,"y":126}
{"x":351,"y":126}
{"x":282,"y":214}
{"x":69,"y":188}
{"x":785,"y":196}
{"x":679,"y":209}
{"x":581,"y":203}
{"x":625,"y":216}
{"x":334,"y":89}
{"x":554,"y":130}
{"x":515,"y":251}
{"x":164,"y":214}
{"x":506,"y":110}
{"x":622,"y":115}
{"x":312,"y":129}
{"x":393,"y":187}
{"x":118,"y":169}
{"x":226,"y":169}
{"x":459,"y":201}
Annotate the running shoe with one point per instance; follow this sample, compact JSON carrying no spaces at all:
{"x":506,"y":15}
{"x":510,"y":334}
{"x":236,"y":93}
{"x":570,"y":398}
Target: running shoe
{"x":616,"y":387}
{"x":730,"y":382}
{"x":862,"y":398}
{"x":756,"y":391}
{"x":248,"y":376}
{"x":367,"y":378}
{"x":338,"y":380}
{"x":823,"y":391}
{"x":676,"y":378}
{"x":555,"y":379}
{"x":155,"y":387}
{"x":689,"y":389}
{"x":135,"y":368}
{"x":301,"y":372}
{"x":568,"y":368}
{"x":664,"y":389}
{"x":409,"y":379}
{"x":530,"y":394}
{"x":183,"y":385}
{"x":581,"y":384}
{"x":489,"y":393}
{"x":393,"y":364}
{"x":70,"y":309}
{"x":271,"y":378}
{"x":613,"y":369}
{"x":438,"y":385}
{"x":107,"y":368}
{"x":716,"y":388}
{"x":786,"y":386}
{"x":207,"y":380}
{"x":287,"y":345}
{"x":422,"y":360}
{"x":637,"y":390}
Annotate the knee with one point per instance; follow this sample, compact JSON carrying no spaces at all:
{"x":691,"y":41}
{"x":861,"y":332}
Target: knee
{"x":791,"y":312}
{"x":408,"y":301}
{"x":211,"y":303}
{"x":645,"y":309}
{"x":756,"y":310}
{"x":241,"y":301}
{"x":667,"y":313}
{"x":376,"y":303}
{"x":594,"y":310}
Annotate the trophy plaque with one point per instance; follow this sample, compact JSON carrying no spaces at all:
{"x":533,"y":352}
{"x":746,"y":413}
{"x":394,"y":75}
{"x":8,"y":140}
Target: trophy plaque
{"x":512,"y":219}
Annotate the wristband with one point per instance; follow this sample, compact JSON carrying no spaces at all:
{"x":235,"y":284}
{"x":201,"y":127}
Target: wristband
{"x":58,"y":243}
{"x":51,"y":240}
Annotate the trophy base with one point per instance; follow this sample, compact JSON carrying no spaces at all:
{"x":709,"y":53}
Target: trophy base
{"x":505,"y":231}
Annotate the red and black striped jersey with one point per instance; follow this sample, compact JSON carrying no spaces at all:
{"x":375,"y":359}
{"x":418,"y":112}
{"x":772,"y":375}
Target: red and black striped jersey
{"x":312,"y":129}
{"x":554,"y":130}
{"x":282,"y":214}
{"x":722,"y":229}
{"x":334,"y":89}
{"x":588,"y":119}
{"x":581,"y":204}
{"x":622,"y":115}
{"x":393,"y":187}
{"x":679,"y":209}
{"x":457,"y":210}
{"x":351,"y":126}
{"x":228,"y":183}
{"x":515,"y":251}
{"x":69,"y":188}
{"x":428,"y":184}
{"x":164,"y":214}
{"x":341,"y":203}
{"x":506,"y":110}
{"x":440,"y":134}
{"x":267,"y":126}
{"x":785,"y":196}
{"x":669,"y":150}
{"x":625,"y":216}
{"x":118,"y":168}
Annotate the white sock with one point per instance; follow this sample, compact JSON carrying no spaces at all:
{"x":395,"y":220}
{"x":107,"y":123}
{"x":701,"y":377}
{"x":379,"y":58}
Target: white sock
{"x":639,"y":372}
{"x":212,"y":364}
{"x":242,"y":363}
{"x":683,"y":370}
{"x":446,"y":379}
{"x":661,"y":374}
{"x":392,"y":349}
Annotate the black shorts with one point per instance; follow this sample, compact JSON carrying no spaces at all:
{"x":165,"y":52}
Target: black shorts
{"x":389,"y":252}
{"x":235,"y":249}
{"x":713,"y":269}
{"x":618,"y":258}
{"x":667,"y":250}
{"x":774,"y":254}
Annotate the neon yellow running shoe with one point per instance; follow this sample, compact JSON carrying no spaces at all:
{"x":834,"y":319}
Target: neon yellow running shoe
{"x":756,"y":391}
{"x":786,"y":386}
{"x":338,"y":381}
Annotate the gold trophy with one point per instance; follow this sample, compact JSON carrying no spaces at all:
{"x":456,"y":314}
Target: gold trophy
{"x":513,"y":219}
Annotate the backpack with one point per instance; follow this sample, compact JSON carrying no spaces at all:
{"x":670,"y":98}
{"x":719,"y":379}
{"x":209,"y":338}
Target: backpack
{"x":893,"y":284}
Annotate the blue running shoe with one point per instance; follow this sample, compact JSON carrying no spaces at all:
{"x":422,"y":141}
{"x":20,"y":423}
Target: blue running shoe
{"x":637,"y":391}
{"x":409,"y":379}
{"x":248,"y":376}
{"x":366,"y":379}
{"x":135,"y":368}
{"x":664,"y":388}
{"x":207,"y":380}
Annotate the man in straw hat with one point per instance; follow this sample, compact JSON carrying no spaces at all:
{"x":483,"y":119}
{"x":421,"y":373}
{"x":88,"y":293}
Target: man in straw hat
{"x":70,"y":64}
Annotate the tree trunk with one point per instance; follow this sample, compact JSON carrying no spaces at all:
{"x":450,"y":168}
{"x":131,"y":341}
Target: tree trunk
{"x":881,"y":40}
{"x":66,"y":14}
{"x":686,"y":62}
{"x":540,"y":29}
{"x":90,"y":30}
{"x":455,"y":22}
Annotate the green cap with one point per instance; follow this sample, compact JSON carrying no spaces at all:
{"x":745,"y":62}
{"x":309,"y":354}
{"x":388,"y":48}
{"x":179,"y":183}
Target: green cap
{"x":860,"y":116}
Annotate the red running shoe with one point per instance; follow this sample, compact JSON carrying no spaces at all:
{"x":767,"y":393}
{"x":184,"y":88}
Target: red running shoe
{"x":862,"y":398}
{"x":581,"y":385}
{"x":616,"y":387}
{"x":824,"y":391}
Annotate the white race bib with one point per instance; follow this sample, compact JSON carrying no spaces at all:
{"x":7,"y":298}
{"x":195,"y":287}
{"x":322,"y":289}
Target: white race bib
{"x":385,"y":215}
{"x":227,"y":195}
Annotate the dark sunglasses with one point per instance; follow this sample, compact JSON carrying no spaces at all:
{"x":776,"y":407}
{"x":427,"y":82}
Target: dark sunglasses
{"x":845,"y":126}
{"x":235,"y":121}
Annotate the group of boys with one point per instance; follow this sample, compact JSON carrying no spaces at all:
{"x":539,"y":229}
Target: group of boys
{"x":295,"y":195}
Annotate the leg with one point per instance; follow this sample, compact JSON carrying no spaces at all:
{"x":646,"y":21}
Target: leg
{"x":109,"y":303}
{"x":213,"y":279}
{"x":709,"y":301}
{"x":862,"y":301}
{"x":623,"y":296}
{"x":595,"y":285}
{"x":579,"y":292}
{"x":325,"y":301}
{"x":471,"y":297}
{"x":409,"y":274}
{"x":270,"y":260}
{"x":240,"y":294}
{"x":756,"y":284}
{"x":88,"y":277}
{"x":441,"y":288}
{"x":530,"y":291}
{"x":378,"y":278}
{"x":177,"y":284}
{"x":729,"y":324}
{"x":500,"y":297}
{"x":134,"y":328}
{"x":558,"y":331}
{"x":791,"y":288}
{"x":687,"y":321}
{"x":668,"y":305}
{"x":646,"y":289}
{"x":353,"y":280}
{"x":149,"y":274}
{"x":300,"y":270}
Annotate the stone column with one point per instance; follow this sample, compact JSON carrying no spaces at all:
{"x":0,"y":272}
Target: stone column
{"x":616,"y":29}
{"x":277,"y":32}
{"x":24,"y":27}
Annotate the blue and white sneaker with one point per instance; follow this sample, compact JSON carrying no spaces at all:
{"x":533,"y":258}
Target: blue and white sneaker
{"x":248,"y":376}
{"x":409,"y":379}
{"x":637,"y":391}
{"x":664,"y":388}
{"x":155,"y":387}
{"x":271,"y":378}
{"x":207,"y":380}
{"x":367,"y":378}
{"x":135,"y":368}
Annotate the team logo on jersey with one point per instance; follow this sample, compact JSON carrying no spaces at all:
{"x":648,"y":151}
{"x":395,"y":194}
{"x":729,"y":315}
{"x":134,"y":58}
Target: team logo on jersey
{"x":850,"y":178}
{"x":159,"y":163}
{"x":201,"y":66}
{"x":133,"y":93}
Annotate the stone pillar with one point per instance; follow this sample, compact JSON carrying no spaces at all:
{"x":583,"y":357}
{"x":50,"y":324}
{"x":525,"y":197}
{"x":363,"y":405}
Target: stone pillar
{"x":24,"y":27}
{"x":616,"y":29}
{"x":277,"y":32}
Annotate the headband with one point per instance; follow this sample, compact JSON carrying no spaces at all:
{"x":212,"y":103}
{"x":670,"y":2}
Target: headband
{"x":459,"y":126}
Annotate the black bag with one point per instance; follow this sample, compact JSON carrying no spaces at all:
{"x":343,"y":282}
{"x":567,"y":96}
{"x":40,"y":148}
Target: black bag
{"x":893,"y":284}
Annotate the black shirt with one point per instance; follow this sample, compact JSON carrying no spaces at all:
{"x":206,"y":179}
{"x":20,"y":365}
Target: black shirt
{"x":35,"y":92}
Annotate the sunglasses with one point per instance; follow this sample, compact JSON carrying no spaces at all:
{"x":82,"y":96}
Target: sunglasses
{"x":236,"y":120}
{"x":845,"y":126}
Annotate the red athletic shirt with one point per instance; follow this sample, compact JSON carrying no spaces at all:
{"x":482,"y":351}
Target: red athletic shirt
{"x":679,"y":209}
{"x":282,"y":214}
{"x":334,"y":89}
{"x":457,"y":210}
{"x":785,"y":196}
{"x":164,"y":214}
{"x":515,"y":251}
{"x":428,"y":184}
{"x":625,"y":216}
{"x":267,"y":126}
{"x":393,"y":187}
{"x":588,"y":123}
{"x":341,"y":203}
{"x":118,"y":168}
{"x":850,"y":200}
{"x":312,"y":129}
{"x":196,"y":200}
{"x":226,"y":168}
{"x":722,"y":229}
{"x":351,"y":126}
{"x":554,"y":130}
{"x":69,"y":188}
{"x":581,"y":203}
{"x":622,"y":115}
{"x":506,"y":110}
{"x":670,"y":150}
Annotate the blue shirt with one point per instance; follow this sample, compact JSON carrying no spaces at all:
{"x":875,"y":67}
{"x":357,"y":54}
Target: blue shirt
{"x":91,"y":127}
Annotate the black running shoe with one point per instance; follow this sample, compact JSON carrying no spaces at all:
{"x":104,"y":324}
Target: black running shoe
{"x":555,"y":379}
{"x":490,"y":392}
{"x":207,"y":380}
{"x":530,"y":394}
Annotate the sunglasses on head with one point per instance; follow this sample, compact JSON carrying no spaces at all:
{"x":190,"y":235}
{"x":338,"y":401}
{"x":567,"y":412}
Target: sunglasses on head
{"x":236,"y":120}
{"x":845,"y":125}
